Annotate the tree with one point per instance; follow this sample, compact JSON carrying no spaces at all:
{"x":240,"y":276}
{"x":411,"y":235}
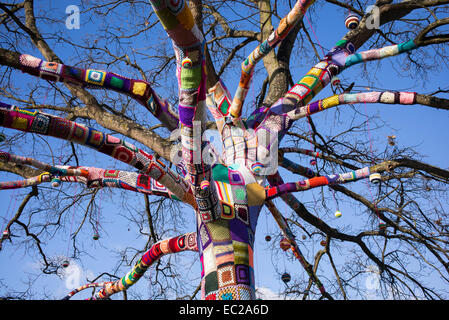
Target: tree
{"x":228,"y":188}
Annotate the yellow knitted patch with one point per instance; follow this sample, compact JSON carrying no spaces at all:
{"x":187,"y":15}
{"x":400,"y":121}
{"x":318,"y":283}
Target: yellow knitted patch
{"x":241,"y":254}
{"x":219,"y":230}
{"x":256,"y":194}
{"x":309,"y":81}
{"x":19,"y":123}
{"x":139,"y":88}
{"x":330,"y":102}
{"x":185,"y":17}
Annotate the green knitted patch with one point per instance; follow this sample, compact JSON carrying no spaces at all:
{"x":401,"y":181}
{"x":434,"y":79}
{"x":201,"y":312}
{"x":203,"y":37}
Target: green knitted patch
{"x":341,"y":43}
{"x":211,"y":282}
{"x":190,"y":78}
{"x":224,"y":106}
{"x":239,"y":194}
{"x":406,"y":46}
{"x":220,"y":173}
{"x":116,"y":83}
{"x":167,"y":19}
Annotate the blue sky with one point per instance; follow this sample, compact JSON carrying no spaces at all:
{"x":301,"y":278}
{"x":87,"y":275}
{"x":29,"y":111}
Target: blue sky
{"x":423,"y":127}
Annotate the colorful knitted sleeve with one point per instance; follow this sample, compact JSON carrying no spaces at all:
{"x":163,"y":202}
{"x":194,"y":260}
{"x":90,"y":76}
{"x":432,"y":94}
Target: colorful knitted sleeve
{"x":185,"y":242}
{"x":139,"y":90}
{"x":37,"y":122}
{"x":279,"y":190}
{"x":285,"y":25}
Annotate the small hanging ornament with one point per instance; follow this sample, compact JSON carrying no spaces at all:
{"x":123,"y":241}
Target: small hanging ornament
{"x":56,"y":182}
{"x":375,"y":178}
{"x":304,"y":237}
{"x":284,"y":244}
{"x":204,"y":185}
{"x":333,"y":69}
{"x":391,"y":140}
{"x":337,"y":214}
{"x":65,"y":263}
{"x":323,"y":243}
{"x":286,"y":277}
{"x":313,"y":162}
{"x":352,"y":21}
{"x":382,"y":227}
{"x":256,"y":167}
{"x":186,"y":63}
{"x":96,"y":236}
{"x":5,"y":235}
{"x":335,"y":81}
{"x":267,"y":238}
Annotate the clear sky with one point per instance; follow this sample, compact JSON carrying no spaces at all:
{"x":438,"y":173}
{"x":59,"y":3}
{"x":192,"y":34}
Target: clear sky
{"x":419,"y":126}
